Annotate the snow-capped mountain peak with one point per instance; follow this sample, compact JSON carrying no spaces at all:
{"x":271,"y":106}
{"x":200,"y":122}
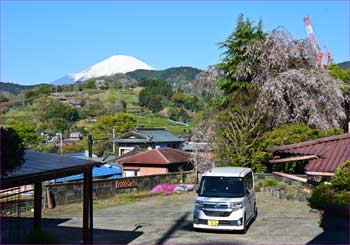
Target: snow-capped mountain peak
{"x":109,"y":66}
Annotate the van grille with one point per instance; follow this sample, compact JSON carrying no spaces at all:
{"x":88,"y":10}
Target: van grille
{"x":215,"y":206}
{"x":216,"y":213}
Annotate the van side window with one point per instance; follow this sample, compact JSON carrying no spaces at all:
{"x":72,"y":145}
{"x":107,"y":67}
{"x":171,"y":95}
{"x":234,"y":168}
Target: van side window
{"x":249,"y":181}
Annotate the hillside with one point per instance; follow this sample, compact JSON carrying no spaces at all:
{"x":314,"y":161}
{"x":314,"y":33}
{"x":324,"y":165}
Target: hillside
{"x":118,"y":80}
{"x":14,"y":88}
{"x":176,"y":76}
{"x":344,"y":65}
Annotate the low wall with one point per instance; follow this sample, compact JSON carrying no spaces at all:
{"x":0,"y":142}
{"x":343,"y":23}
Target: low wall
{"x":72,"y":192}
{"x":262,"y":176}
{"x":287,"y":189}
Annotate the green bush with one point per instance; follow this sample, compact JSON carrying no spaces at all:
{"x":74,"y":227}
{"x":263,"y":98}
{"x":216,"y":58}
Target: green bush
{"x":342,"y":198}
{"x":341,"y":179}
{"x":335,"y":193}
{"x":265,"y":183}
{"x":322,"y":196}
{"x":268,"y":183}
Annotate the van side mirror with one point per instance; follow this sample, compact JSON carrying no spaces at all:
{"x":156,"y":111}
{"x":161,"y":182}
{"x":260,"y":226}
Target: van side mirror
{"x":197,"y":190}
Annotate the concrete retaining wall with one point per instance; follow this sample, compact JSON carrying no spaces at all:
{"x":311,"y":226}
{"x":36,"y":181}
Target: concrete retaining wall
{"x":72,"y":192}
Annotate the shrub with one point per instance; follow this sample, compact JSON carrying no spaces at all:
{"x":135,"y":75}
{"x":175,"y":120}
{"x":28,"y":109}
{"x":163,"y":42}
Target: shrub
{"x":322,"y":196}
{"x":342,"y":198}
{"x":268,"y":183}
{"x":341,"y":179}
{"x":335,"y":193}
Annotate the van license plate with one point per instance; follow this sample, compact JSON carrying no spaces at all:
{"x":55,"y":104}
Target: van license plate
{"x":213,"y":222}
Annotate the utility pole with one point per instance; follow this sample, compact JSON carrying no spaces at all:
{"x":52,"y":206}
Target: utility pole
{"x":90,"y":142}
{"x":61,"y":141}
{"x":113,"y":140}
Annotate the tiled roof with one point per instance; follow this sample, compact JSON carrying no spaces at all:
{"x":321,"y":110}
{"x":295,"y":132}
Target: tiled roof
{"x":161,"y":156}
{"x":147,"y":135}
{"x":331,"y":151}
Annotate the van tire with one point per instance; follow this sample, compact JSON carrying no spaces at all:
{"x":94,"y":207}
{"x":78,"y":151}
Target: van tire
{"x":255,"y":212}
{"x":196,"y":229}
{"x":244,"y":230}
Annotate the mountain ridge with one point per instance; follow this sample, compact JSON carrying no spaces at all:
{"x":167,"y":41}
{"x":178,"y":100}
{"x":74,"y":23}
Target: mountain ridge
{"x":112,"y":65}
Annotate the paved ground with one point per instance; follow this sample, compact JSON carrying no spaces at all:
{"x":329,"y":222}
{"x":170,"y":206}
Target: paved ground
{"x":168,"y":219}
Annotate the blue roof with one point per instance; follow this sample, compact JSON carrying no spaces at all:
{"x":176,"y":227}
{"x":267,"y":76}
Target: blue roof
{"x":147,"y":135}
{"x":102,"y":171}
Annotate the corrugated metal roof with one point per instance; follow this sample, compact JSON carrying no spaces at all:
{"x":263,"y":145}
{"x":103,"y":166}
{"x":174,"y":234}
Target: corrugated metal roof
{"x":101,"y":172}
{"x":147,"y":135}
{"x":332,"y":152}
{"x":40,"y":166}
{"x":161,"y":156}
{"x":193,"y":146}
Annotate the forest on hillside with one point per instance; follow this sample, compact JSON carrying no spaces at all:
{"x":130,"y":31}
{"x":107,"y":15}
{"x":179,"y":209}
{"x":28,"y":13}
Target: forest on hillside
{"x":266,"y":91}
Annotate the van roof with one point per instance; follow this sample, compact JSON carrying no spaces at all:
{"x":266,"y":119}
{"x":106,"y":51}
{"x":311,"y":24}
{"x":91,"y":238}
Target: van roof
{"x":228,"y":172}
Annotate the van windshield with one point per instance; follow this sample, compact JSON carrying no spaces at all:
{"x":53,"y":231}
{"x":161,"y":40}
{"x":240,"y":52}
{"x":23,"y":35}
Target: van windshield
{"x":212,"y":186}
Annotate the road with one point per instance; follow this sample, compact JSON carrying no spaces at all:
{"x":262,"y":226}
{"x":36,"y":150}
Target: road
{"x":168,"y":219}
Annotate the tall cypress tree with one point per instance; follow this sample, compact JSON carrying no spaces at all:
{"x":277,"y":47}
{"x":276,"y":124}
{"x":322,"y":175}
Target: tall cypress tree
{"x":235,"y":46}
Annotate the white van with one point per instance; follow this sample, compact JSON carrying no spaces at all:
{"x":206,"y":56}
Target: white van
{"x":226,"y":199}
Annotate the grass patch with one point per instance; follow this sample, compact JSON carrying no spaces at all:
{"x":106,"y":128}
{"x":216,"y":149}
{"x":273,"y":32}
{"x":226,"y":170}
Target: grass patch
{"x":159,"y":122}
{"x":266,"y":183}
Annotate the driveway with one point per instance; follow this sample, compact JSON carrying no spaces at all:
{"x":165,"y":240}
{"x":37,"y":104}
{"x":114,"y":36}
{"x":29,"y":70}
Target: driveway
{"x":168,"y":219}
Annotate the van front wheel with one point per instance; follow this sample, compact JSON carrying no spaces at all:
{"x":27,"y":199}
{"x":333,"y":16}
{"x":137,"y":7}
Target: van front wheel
{"x":244,"y":230}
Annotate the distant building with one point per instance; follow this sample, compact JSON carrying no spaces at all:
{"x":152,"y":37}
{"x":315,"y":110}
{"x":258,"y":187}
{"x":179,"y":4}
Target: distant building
{"x":156,"y":161}
{"x":74,"y":138}
{"x":150,"y":138}
{"x":101,"y":84}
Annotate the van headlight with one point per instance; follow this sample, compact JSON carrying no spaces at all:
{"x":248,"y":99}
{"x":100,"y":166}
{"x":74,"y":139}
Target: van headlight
{"x":236,"y":205}
{"x":198,"y":204}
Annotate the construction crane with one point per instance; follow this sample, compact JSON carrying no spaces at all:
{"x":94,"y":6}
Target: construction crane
{"x":317,"y":48}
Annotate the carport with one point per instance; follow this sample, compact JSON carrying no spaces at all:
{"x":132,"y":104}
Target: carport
{"x":39,"y":167}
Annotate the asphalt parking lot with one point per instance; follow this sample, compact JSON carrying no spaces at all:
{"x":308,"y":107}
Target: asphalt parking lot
{"x":168,"y":219}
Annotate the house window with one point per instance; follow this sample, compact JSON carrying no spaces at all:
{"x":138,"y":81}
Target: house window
{"x":123,"y":150}
{"x":131,"y":173}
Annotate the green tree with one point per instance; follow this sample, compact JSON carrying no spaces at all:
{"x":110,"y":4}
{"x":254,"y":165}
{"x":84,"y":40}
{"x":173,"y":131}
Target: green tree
{"x":12,"y":150}
{"x":155,"y":94}
{"x":245,"y":33}
{"x":101,"y":131}
{"x":27,"y":132}
{"x":60,"y":116}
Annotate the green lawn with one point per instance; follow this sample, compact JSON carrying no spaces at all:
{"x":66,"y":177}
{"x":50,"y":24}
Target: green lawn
{"x":149,"y":121}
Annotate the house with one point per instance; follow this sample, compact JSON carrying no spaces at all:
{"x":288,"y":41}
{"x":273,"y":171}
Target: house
{"x":74,"y":138}
{"x":323,"y":155}
{"x":156,"y":161}
{"x":111,"y":159}
{"x":101,"y":84}
{"x":150,"y":138}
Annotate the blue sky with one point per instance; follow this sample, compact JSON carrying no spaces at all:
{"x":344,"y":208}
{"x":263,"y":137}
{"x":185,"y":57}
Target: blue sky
{"x":44,"y":40}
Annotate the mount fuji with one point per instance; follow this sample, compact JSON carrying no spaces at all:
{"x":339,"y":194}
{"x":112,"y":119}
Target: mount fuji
{"x":112,"y":65}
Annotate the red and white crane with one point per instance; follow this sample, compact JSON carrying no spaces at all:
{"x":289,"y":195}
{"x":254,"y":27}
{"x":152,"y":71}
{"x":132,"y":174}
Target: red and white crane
{"x":312,"y":38}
